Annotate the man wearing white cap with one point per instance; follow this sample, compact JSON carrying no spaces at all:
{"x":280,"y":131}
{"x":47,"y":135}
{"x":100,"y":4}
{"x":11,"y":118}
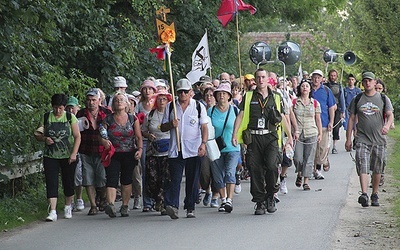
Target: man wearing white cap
{"x":191,"y":120}
{"x":325,"y":97}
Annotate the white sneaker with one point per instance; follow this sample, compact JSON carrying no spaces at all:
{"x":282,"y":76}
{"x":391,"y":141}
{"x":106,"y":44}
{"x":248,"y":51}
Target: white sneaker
{"x":238,"y":189}
{"x":80,"y":204}
{"x":283,"y":187}
{"x":52,"y":216}
{"x":68,"y":212}
{"x":318,"y":175}
{"x":136,"y":203}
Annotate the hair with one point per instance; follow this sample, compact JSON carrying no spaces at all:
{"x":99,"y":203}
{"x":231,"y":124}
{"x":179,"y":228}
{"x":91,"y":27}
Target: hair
{"x":59,"y":100}
{"x":125,"y":99}
{"x":209,"y":89}
{"x":298,"y":93}
{"x":259,"y":70}
{"x":379,"y":81}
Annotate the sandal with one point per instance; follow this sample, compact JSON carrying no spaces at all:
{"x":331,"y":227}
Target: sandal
{"x":298,"y":181}
{"x":306,"y":187}
{"x":93,"y":211}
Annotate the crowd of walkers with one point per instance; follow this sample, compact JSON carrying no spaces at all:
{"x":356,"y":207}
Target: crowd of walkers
{"x":215,"y":132}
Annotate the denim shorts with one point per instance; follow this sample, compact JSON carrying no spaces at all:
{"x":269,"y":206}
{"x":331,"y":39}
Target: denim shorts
{"x":224,"y":169}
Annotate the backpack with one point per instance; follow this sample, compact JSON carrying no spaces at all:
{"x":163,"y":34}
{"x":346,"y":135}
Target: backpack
{"x":358,"y":97}
{"x":47,"y":114}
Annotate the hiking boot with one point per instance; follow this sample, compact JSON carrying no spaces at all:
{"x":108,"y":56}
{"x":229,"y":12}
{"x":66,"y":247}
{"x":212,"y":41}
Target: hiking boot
{"x":363,"y":200}
{"x":283,"y":188}
{"x":68,"y":212}
{"x":80,"y":205}
{"x":124,"y":211}
{"x":172,"y":212}
{"x":52,"y":216}
{"x":110,"y":210}
{"x":374,"y":200}
{"x":190,"y":214}
{"x":260,"y":208}
{"x":207,"y":199}
{"x":271,"y":208}
{"x":228,"y":205}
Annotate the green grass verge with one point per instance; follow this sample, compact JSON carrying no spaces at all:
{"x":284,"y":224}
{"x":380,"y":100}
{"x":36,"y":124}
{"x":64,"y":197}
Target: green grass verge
{"x":394,"y":164}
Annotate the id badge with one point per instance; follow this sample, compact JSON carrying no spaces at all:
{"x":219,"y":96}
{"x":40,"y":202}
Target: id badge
{"x":261,"y":123}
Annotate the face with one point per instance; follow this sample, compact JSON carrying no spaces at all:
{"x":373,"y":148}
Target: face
{"x":120,"y":102}
{"x":305,"y":89}
{"x":222,"y":97}
{"x":369,"y":84}
{"x":215,"y":83}
{"x":132,"y":106}
{"x":333,"y":76}
{"x":92,"y":102}
{"x":147,"y":92}
{"x":184,"y":95}
{"x":316,"y":79}
{"x":162,"y":101}
{"x":225,"y":76}
{"x":120,"y":89}
{"x":235,"y":90}
{"x":351,"y":81}
{"x":58,"y":110}
{"x":294,"y":82}
{"x":232,"y":78}
{"x":261,"y":79}
{"x":379,"y":87}
{"x":72,"y":109}
{"x":209,"y":98}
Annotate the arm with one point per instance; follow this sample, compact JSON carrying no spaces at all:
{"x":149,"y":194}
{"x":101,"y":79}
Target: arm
{"x":349,"y":131}
{"x":139,"y":139}
{"x":331,"y":112}
{"x":294,"y":124}
{"x":319,"y":125}
{"x":77,"y":142}
{"x":238,"y":121}
{"x":287,"y":129}
{"x":388,"y":122}
{"x":204,"y":138}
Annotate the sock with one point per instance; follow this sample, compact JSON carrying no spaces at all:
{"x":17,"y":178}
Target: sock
{"x":223,"y":200}
{"x":282,"y":177}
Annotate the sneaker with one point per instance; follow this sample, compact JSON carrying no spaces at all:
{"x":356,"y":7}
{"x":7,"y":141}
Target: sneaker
{"x":374,"y":200}
{"x":222,"y":207}
{"x":124,"y":211}
{"x":68,"y":212}
{"x":334,"y":151}
{"x":260,"y":208}
{"x":136,"y":203}
{"x":276,"y":198}
{"x":80,"y":204}
{"x":318,"y":175}
{"x":52,"y":216}
{"x":228,"y":206}
{"x":190,"y":214}
{"x":163,"y":211}
{"x":382,"y":181}
{"x":283,"y":187}
{"x":363,"y":200}
{"x":238,"y":188}
{"x":199,"y":198}
{"x":271,"y":208}
{"x":172,"y":212}
{"x":110,"y":211}
{"x":207,"y":199}
{"x":214,"y":203}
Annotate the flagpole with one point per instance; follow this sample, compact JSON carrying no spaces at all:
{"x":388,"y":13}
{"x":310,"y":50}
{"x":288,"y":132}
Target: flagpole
{"x":208,"y":53}
{"x":168,"y":50}
{"x":238,"y":47}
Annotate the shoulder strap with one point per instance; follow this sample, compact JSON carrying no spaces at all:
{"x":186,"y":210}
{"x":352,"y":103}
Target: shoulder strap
{"x":150,"y":115}
{"x":69,"y":117}
{"x":212,"y":110}
{"x":356,"y":100}
{"x":198,"y":107}
{"x":236,"y":110}
{"x":131,"y":119}
{"x":46,"y":119}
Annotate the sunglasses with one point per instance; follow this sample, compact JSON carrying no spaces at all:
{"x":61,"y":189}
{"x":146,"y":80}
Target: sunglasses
{"x":186,"y":91}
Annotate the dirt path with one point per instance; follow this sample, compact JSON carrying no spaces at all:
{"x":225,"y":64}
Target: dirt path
{"x":371,"y":227}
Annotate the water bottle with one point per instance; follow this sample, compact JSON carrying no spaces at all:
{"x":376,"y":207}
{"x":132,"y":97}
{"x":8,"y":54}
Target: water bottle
{"x":289,"y":151}
{"x":103,"y":132}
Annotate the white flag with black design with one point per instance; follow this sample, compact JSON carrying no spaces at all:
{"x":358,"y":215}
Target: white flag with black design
{"x":200,"y":60}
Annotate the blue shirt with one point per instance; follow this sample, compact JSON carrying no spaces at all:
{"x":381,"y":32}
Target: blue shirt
{"x":326,"y":99}
{"x":349,"y":94}
{"x":218,"y":120}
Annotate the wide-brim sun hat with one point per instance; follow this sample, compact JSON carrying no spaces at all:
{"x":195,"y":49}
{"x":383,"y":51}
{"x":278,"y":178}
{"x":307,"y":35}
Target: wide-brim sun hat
{"x":224,"y":86}
{"x":149,"y":84}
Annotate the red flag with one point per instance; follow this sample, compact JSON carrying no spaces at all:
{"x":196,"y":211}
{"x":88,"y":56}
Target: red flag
{"x":160,"y":50}
{"x":229,"y":8}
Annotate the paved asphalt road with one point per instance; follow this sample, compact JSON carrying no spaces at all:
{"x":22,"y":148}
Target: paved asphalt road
{"x":304,"y":220}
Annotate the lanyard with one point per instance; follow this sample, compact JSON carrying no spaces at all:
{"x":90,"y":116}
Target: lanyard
{"x":262,"y":105}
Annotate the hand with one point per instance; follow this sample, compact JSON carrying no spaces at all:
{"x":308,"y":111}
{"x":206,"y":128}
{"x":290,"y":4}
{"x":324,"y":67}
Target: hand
{"x":138,"y":154}
{"x":72,"y":158}
{"x":175,"y":123}
{"x":106,"y":143}
{"x":348,"y":145}
{"x":319,"y":138}
{"x":48,"y":140}
{"x":202,"y":150}
{"x":385,"y":130}
{"x":234,"y":140}
{"x":152,"y":137}
{"x":330,"y":126}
